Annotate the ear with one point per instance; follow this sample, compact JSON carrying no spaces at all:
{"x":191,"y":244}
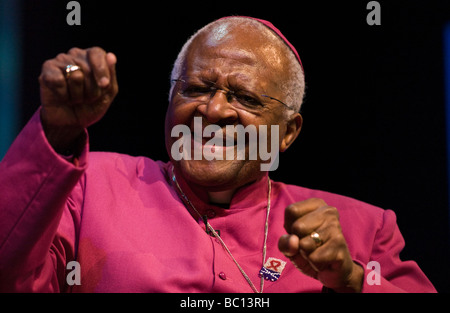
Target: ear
{"x":293,"y":127}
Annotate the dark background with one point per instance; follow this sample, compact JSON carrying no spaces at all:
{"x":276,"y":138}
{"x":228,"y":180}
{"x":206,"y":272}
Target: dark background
{"x":374,"y":112}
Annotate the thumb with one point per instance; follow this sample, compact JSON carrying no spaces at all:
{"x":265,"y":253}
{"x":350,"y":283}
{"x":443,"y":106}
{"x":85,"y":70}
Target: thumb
{"x":111,"y":61}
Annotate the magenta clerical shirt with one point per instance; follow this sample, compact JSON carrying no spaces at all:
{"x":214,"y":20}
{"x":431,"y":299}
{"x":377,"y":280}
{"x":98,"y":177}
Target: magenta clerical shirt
{"x":122,"y":219}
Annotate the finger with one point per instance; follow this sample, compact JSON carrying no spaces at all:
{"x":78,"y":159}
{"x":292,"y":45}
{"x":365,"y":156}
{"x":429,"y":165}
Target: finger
{"x":308,"y":244}
{"x":75,"y":83}
{"x":52,"y":78}
{"x":323,"y":217}
{"x":96,"y":58}
{"x":288,"y":245}
{"x":301,"y":261}
{"x":305,"y":225}
{"x":327,"y":257}
{"x":317,"y":228}
{"x":111,"y":60}
{"x":85,"y":81}
{"x":75,"y":80}
{"x":296,"y":210}
{"x":310,"y":264}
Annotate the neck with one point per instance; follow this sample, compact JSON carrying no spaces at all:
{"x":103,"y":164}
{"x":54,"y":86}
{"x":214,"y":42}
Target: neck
{"x":221,"y":196}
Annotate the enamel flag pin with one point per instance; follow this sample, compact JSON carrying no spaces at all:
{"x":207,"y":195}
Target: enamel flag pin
{"x":272,"y":269}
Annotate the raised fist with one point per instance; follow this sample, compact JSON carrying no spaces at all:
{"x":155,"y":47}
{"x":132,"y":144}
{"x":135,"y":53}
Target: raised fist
{"x":77,"y":89}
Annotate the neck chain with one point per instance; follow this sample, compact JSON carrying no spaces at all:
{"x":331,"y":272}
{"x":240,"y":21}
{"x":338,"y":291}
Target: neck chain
{"x":216,"y":235}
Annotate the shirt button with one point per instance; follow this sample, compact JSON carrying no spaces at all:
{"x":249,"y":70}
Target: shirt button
{"x":210,"y":213}
{"x":222,"y":276}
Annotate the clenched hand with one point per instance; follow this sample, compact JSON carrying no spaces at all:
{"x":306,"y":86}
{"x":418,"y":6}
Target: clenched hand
{"x":70,"y":103}
{"x":325,"y":257}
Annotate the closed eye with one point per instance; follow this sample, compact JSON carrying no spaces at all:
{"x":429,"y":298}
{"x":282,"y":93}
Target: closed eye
{"x":247,"y":100}
{"x":196,"y":91}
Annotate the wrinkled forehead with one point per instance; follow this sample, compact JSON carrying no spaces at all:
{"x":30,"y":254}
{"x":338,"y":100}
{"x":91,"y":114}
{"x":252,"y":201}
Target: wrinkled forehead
{"x":257,"y":47}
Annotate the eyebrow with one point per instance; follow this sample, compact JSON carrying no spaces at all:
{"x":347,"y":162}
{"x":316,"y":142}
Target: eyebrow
{"x":236,"y":80}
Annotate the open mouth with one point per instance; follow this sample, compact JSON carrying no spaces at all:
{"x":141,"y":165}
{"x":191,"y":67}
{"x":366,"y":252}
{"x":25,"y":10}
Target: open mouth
{"x":235,"y":142}
{"x":217,"y":145}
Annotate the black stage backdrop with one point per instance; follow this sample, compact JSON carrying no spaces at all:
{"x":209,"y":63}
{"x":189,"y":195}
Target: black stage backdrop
{"x":374,"y":112}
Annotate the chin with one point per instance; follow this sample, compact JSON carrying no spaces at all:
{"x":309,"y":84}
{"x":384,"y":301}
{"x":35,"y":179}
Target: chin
{"x":218,"y":175}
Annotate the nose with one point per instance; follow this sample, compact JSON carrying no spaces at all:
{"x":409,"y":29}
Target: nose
{"x":219,"y":110}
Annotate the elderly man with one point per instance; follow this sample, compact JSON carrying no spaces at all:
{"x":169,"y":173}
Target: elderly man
{"x":193,"y":224}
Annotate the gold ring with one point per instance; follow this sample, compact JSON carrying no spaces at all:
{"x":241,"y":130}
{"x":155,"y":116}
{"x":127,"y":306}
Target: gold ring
{"x":70,"y":69}
{"x":316,"y":237}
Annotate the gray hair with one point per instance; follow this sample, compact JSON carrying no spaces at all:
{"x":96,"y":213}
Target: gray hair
{"x":293,"y":89}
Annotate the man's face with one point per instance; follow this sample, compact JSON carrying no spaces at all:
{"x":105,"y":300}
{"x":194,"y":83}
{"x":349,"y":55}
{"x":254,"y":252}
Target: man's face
{"x":230,"y":69}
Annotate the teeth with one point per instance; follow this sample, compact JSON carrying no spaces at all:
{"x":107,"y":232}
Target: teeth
{"x":205,"y":140}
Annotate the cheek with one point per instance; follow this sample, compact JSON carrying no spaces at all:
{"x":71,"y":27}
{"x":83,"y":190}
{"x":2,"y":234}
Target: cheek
{"x":179,"y":113}
{"x":275,"y":130}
